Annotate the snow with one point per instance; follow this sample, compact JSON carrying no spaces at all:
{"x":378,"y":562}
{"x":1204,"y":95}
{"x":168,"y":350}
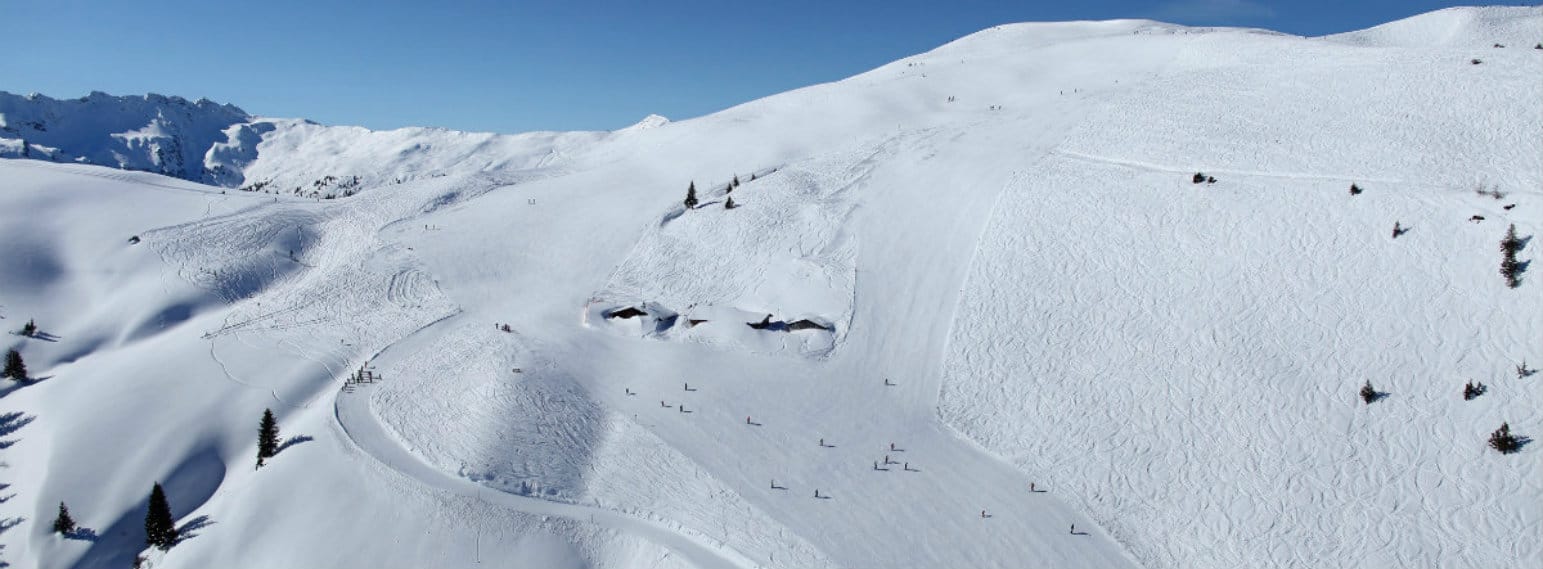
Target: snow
{"x":1020,"y":282}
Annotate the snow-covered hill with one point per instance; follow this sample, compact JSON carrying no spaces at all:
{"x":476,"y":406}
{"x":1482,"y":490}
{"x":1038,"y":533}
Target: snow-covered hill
{"x":990,"y":306}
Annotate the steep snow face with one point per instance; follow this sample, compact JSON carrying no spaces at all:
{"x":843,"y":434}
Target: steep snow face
{"x":152,"y":133}
{"x":1037,"y":323}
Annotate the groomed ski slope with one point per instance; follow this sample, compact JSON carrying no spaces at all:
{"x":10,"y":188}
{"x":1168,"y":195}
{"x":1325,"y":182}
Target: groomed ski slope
{"x":1022,"y":286}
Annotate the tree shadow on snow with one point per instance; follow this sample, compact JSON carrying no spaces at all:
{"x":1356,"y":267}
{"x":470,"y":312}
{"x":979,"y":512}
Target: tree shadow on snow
{"x":188,"y":486}
{"x":13,"y":386}
{"x":8,"y":523}
{"x":185,"y":532}
{"x":14,"y":421}
{"x":292,"y":441}
{"x":1522,"y":442}
{"x":82,"y":534}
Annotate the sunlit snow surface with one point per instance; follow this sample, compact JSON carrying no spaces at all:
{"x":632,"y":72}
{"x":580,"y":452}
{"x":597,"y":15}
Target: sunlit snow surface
{"x":1007,"y":273}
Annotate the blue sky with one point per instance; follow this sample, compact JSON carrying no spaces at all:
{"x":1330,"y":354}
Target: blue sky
{"x":537,"y":65}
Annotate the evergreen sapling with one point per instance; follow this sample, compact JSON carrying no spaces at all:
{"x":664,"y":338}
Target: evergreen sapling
{"x":267,"y":438}
{"x":160,"y":526}
{"x":14,"y":367}
{"x":64,"y":524}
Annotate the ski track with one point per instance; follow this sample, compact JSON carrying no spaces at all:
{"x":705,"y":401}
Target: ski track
{"x":370,"y":436}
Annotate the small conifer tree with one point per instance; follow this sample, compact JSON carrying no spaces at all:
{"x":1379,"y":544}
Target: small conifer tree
{"x":15,"y":368}
{"x":267,"y":438}
{"x":64,"y":524}
{"x":160,"y":526}
{"x":1368,"y":394}
{"x":31,"y":327}
{"x":735,"y":183}
{"x":1473,"y":390}
{"x":729,"y":203}
{"x":691,"y":196}
{"x":1355,"y":190}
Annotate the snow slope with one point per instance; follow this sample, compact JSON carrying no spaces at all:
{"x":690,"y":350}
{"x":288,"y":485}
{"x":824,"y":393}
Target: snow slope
{"x":1017,"y":281}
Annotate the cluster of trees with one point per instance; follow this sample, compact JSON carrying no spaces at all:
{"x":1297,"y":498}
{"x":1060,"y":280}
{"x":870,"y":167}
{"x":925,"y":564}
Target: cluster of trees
{"x":1505,"y":442}
{"x":691,"y":200}
{"x":15,"y":368}
{"x":160,"y":525}
{"x":1510,"y":268}
{"x":1472,"y":390}
{"x":1501,"y":440}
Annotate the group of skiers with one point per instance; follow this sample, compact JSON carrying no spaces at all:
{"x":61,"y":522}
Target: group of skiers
{"x":905,"y":466}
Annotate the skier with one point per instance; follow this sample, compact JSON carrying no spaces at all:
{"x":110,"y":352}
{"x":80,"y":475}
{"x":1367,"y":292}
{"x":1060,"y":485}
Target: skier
{"x":875,"y":465}
{"x":906,"y":467}
{"x":1074,"y":529}
{"x":661,"y":403}
{"x":891,"y":447}
{"x":1396,"y":230}
{"x":886,"y":460}
{"x":747,"y":420}
{"x":822,"y":442}
{"x":982,"y":513}
{"x":1031,"y":486}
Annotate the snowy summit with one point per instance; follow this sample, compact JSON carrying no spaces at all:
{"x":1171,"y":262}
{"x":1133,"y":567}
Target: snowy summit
{"x":1076,"y":295}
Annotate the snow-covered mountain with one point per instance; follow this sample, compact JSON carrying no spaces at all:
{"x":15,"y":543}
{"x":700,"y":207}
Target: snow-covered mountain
{"x":1083,"y":294}
{"x":222,"y":145}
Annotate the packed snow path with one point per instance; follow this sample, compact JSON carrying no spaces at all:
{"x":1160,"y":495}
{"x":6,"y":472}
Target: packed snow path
{"x":363,"y":430}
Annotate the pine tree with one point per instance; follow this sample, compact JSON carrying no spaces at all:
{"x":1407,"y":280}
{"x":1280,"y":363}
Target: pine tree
{"x":14,"y":367}
{"x":1368,"y":394}
{"x":691,"y":196}
{"x":31,"y":327}
{"x":160,"y":527}
{"x":729,"y":203}
{"x":64,"y":524}
{"x":1355,"y":190}
{"x":1510,"y":244}
{"x":1473,"y":390}
{"x":735,"y":183}
{"x":267,"y":438}
{"x":1509,"y":268}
